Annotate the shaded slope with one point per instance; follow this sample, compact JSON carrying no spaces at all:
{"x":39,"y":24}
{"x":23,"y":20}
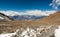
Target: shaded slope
{"x":5,"y":17}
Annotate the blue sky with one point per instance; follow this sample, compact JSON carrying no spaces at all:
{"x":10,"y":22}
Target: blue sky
{"x":21,"y":5}
{"x":28,"y":7}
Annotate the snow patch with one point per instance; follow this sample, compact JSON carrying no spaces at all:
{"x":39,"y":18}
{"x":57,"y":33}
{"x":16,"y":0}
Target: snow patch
{"x":28,"y":32}
{"x":57,"y":32}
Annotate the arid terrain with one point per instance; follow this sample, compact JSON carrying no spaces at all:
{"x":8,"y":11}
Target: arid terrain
{"x":51,"y":20}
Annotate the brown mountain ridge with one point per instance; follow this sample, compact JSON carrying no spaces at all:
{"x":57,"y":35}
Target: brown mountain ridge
{"x":53,"y":18}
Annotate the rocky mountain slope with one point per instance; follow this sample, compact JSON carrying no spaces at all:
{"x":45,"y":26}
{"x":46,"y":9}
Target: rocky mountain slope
{"x":53,"y":18}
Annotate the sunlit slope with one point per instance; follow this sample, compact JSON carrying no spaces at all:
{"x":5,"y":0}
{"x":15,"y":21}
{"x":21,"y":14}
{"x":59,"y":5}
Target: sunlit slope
{"x":52,"y":19}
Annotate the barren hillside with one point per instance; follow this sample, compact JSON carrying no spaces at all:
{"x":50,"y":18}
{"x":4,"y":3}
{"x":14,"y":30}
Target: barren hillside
{"x":11,"y":26}
{"x":52,"y":19}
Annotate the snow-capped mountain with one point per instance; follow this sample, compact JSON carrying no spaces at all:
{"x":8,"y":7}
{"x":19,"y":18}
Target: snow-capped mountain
{"x":27,"y":17}
{"x":20,"y":17}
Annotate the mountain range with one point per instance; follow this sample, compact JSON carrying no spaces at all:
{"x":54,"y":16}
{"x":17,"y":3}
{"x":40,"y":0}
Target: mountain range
{"x":20,"y":17}
{"x":26,"y":17}
{"x":11,"y":26}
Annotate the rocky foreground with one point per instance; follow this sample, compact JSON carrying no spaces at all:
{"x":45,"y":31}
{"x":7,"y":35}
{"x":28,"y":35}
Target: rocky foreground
{"x":38,"y":31}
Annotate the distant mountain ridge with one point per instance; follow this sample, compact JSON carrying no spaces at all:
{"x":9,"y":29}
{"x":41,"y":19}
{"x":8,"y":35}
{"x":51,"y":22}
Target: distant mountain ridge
{"x":17,"y":16}
{"x":20,"y":17}
{"x":27,"y":17}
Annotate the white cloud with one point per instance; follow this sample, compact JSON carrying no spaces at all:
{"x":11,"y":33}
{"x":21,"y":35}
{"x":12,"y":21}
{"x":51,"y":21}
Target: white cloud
{"x":29,"y":12}
{"x":55,"y":4}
